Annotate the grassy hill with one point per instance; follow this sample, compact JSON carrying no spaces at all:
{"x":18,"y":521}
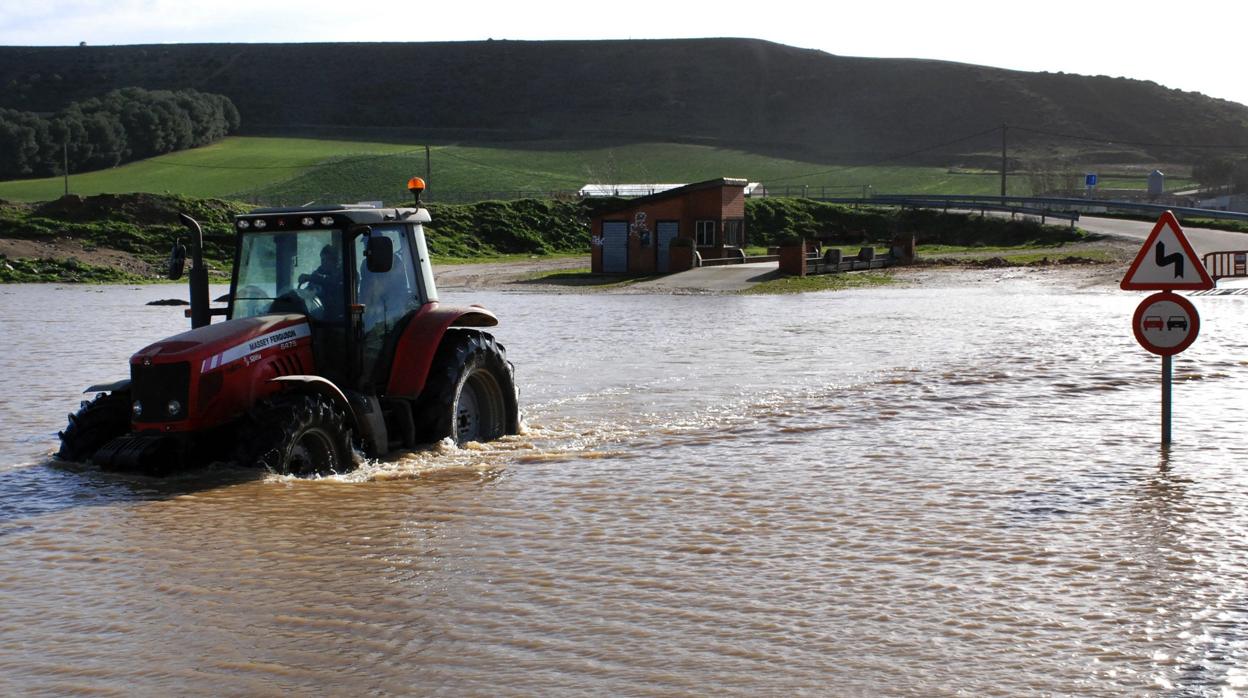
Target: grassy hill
{"x":744,"y":95}
{"x":295,"y":171}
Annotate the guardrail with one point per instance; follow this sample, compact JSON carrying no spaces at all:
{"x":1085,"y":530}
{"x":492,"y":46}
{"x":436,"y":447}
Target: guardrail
{"x":1042,"y":213}
{"x":738,"y":259}
{"x":1056,"y":205}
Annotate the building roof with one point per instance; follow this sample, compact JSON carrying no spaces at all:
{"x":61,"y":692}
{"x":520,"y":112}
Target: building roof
{"x":679,"y":190}
{"x":626,"y":190}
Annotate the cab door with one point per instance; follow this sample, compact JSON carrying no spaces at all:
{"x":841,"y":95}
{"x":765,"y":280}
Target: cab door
{"x":388,"y":298}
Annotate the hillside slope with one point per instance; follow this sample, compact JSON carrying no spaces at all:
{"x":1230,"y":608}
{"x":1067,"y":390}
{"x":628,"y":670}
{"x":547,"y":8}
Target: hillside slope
{"x":750,"y":94}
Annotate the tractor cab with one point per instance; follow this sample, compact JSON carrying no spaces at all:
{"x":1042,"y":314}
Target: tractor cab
{"x":356,"y":273}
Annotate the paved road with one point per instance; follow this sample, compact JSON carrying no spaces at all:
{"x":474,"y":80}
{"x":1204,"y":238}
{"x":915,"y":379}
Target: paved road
{"x":1203,"y":239}
{"x":733,"y":277}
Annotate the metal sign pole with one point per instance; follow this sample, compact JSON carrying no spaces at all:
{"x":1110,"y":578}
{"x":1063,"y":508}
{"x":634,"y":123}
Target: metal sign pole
{"x":1165,"y":400}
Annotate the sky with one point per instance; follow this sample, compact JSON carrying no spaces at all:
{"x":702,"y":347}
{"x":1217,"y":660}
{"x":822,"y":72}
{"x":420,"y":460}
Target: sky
{"x":1191,"y":46}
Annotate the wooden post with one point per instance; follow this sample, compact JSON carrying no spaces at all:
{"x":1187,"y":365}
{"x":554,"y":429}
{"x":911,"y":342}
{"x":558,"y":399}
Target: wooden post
{"x":1004,"y":129}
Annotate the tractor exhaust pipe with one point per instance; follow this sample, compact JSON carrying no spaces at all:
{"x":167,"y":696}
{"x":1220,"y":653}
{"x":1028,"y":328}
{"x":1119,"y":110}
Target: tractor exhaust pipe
{"x":201,"y":314}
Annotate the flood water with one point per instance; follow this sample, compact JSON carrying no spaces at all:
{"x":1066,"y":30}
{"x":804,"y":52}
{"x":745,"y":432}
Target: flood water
{"x":941,"y":490}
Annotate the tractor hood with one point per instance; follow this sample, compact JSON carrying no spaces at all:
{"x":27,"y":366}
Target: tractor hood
{"x":213,"y":346}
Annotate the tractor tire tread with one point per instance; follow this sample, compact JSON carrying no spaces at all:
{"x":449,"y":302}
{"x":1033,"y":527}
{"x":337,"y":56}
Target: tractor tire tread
{"x":275,"y":425}
{"x":462,"y":350}
{"x":97,"y":422}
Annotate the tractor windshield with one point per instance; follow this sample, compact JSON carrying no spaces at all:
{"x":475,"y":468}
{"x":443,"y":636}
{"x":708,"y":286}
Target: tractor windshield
{"x":289,"y":272}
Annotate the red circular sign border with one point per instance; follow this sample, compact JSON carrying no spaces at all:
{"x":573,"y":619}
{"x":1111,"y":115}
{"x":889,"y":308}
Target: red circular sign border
{"x":1173,"y":298}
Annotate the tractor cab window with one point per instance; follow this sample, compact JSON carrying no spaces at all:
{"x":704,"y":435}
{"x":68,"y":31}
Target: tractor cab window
{"x":287,"y":272}
{"x":386,"y":296}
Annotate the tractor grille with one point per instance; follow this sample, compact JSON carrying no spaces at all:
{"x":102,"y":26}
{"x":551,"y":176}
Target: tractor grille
{"x":286,"y":365}
{"x":155,"y":385}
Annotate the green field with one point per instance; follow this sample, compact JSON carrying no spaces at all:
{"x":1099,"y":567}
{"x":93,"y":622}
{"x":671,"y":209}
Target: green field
{"x":224,"y":169}
{"x":299,"y":170}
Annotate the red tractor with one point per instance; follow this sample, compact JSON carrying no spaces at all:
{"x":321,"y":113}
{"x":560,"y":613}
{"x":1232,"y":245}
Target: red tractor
{"x":334,"y":340}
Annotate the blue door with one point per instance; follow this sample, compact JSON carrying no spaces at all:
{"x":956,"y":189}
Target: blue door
{"x":615,"y":247}
{"x":667,"y":231}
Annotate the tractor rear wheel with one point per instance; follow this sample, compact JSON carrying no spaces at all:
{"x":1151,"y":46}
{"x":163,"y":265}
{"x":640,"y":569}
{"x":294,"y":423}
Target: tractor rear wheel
{"x":470,"y":394}
{"x":298,"y":434}
{"x":96,"y":423}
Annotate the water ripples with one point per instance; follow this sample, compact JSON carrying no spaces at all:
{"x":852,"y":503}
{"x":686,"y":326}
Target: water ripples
{"x":975,"y":505}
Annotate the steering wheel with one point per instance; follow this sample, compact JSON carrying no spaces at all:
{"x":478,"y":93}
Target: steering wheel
{"x":301,"y":301}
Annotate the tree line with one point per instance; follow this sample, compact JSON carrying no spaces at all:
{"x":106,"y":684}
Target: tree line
{"x":1223,"y":172}
{"x":123,"y":125}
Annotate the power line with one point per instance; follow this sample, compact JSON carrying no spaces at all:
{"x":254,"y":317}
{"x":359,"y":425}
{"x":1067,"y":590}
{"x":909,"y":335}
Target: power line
{"x":817,"y":173}
{"x":359,"y":159}
{"x":1042,"y":132}
{"x":1093,"y":139}
{"x":889,"y":158}
{"x":331,"y":163}
{"x":500,"y":168}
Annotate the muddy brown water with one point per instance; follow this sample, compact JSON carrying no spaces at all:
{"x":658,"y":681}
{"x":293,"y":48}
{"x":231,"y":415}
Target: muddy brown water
{"x":906,"y":491}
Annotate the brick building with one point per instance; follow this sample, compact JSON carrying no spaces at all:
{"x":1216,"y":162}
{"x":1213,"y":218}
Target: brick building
{"x":636,"y":236}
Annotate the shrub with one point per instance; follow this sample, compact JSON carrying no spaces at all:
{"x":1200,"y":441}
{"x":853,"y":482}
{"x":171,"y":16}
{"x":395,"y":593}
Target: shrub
{"x":771,"y":220}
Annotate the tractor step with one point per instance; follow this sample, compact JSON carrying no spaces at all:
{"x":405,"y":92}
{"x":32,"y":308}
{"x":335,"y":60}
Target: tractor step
{"x":151,"y":453}
{"x":400,"y":425}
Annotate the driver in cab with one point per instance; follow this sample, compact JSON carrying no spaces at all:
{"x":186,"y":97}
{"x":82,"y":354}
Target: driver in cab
{"x":326,"y":282}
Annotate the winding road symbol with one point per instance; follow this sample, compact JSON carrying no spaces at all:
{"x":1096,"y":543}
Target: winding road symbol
{"x":1155,"y":270}
{"x":1165,"y":260}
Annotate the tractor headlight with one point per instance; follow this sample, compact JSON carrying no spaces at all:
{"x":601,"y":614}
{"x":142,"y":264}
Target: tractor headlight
{"x":244,"y":224}
{"x":174,"y":408}
{"x":307,"y":221}
{"x":327,"y":220}
{"x":260,"y":224}
{"x":137,"y":409}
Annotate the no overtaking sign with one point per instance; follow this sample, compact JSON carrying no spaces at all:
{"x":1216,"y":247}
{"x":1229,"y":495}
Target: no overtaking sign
{"x":1166,"y":323}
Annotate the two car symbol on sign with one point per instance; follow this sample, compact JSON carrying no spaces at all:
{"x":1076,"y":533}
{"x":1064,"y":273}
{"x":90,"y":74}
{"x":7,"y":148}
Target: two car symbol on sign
{"x":1153,"y":322}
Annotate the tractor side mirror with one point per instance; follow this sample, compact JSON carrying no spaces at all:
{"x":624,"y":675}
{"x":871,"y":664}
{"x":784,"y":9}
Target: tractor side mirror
{"x":177,"y":261}
{"x":379,"y":252}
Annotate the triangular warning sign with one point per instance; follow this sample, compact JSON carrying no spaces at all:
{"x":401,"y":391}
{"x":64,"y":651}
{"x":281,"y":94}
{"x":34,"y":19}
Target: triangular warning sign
{"x":1167,"y":262}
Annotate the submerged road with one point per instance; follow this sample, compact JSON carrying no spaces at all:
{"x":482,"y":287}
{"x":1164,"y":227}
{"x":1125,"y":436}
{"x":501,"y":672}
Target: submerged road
{"x":733,"y":277}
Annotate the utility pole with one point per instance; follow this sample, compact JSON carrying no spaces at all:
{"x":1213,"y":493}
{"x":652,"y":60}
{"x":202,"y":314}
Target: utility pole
{"x":65,"y":152}
{"x":427,"y":167}
{"x":1004,"y":128}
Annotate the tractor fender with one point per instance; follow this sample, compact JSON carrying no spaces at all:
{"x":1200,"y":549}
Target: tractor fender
{"x":319,"y":386}
{"x":413,"y":353}
{"x":122,"y":384}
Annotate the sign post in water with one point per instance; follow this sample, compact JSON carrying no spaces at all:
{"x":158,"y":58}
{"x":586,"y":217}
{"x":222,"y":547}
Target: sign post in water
{"x":1166,"y":323}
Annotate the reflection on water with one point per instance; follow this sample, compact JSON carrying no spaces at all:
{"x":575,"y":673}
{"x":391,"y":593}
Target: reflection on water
{"x":899,"y":491}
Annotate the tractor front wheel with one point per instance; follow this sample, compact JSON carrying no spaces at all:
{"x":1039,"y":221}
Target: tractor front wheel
{"x":96,"y":423}
{"x":470,"y":394}
{"x":298,"y":434}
